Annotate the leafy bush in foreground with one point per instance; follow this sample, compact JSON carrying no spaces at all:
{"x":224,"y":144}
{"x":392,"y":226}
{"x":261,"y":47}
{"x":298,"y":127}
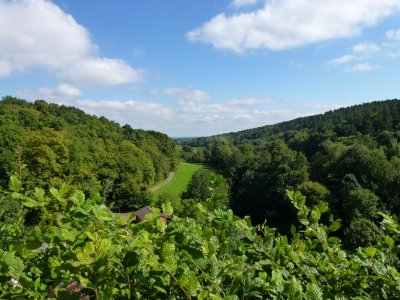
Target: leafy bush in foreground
{"x":80,"y":249}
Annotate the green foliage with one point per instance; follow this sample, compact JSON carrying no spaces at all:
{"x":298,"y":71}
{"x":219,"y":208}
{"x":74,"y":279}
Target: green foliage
{"x":198,"y":187}
{"x":180,"y":181}
{"x":349,"y":157}
{"x":79,"y":248}
{"x":360,"y":203}
{"x":258,"y":187}
{"x":204,"y":184}
{"x":362,"y":232}
{"x":46,"y":144}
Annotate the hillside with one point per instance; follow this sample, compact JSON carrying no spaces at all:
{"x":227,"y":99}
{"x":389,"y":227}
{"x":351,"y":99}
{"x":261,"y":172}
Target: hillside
{"x":349,"y":157}
{"x":48,"y":144}
{"x":368,"y":118}
{"x":60,"y":241}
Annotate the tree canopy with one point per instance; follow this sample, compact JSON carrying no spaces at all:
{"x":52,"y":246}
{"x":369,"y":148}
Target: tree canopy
{"x":47,"y":144}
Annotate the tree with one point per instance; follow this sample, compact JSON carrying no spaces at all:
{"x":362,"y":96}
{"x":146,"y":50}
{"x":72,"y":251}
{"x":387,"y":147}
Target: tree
{"x":314,"y":192}
{"x":362,"y":232}
{"x":259,"y":187}
{"x":360,"y":203}
{"x":199,"y":186}
{"x":206,"y":184}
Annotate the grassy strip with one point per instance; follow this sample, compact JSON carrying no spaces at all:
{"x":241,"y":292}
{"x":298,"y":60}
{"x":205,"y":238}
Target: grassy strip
{"x":181,"y":180}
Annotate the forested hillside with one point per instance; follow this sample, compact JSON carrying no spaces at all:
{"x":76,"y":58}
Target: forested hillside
{"x":349,"y":157}
{"x":47,"y":145}
{"x":60,"y":168}
{"x":369,"y":118}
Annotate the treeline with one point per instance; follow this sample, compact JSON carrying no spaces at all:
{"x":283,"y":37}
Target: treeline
{"x":47,"y":144}
{"x":349,"y":157}
{"x":203,"y":185}
{"x":368,"y":118}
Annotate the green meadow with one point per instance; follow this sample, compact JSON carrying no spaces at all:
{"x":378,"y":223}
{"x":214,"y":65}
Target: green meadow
{"x":180,"y":181}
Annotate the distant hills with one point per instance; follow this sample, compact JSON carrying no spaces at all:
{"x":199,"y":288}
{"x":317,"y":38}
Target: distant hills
{"x":349,"y":157}
{"x":368,"y":118}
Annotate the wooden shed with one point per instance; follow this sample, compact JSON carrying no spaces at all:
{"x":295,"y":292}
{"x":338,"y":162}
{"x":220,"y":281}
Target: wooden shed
{"x":142,"y":212}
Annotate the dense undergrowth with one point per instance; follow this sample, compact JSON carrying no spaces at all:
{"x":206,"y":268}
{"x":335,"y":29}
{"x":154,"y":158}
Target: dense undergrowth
{"x":78,"y":248}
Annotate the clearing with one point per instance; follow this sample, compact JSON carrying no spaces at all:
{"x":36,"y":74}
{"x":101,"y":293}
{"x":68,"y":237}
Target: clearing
{"x":180,"y":180}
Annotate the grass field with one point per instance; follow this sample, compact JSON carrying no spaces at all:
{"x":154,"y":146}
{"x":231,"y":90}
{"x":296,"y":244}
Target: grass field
{"x":180,"y":181}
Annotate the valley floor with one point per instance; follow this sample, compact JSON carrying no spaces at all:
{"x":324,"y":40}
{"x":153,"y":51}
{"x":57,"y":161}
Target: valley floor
{"x":179,"y":182}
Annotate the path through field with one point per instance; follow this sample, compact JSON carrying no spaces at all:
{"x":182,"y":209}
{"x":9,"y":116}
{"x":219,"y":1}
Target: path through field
{"x":179,"y":181}
{"x":163,"y":183}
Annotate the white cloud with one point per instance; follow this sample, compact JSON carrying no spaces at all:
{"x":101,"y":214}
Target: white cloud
{"x":68,"y":90}
{"x":139,"y":114}
{"x":362,"y":67}
{"x":241,"y":3}
{"x":213,"y":118}
{"x":321,"y":107}
{"x":284,"y":24}
{"x":361,"y":52}
{"x":366,"y":48}
{"x":187,"y":118}
{"x":251,"y":101}
{"x":187,"y":94}
{"x":5,"y":69}
{"x":342,"y":60}
{"x":393,"y":35}
{"x":100,"y":71}
{"x":37,"y":33}
{"x":129,"y":106}
{"x":62,"y":91}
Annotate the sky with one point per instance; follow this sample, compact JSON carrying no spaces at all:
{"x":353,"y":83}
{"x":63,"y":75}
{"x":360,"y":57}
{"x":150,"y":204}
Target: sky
{"x":200,"y":67}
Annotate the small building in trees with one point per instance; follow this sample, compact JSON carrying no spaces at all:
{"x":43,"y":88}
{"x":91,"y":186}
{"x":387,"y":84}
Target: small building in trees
{"x":142,"y":212}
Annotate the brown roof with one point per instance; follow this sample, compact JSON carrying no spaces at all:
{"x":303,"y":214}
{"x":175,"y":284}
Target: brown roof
{"x":142,"y":212}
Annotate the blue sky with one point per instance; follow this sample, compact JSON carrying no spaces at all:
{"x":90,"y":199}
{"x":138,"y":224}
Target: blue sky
{"x":191,"y":68}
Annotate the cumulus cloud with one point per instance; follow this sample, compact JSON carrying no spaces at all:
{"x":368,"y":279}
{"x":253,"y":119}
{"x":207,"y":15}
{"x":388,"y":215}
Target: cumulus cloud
{"x":366,"y":48}
{"x":360,"y":52}
{"x":195,"y":118}
{"x":184,"y":118}
{"x":342,"y":60}
{"x":139,"y":114}
{"x":284,"y":24}
{"x":68,"y":90}
{"x":62,"y":91}
{"x":37,"y":33}
{"x":212,"y":118}
{"x":100,"y":71}
{"x":362,"y":67}
{"x":187,"y":94}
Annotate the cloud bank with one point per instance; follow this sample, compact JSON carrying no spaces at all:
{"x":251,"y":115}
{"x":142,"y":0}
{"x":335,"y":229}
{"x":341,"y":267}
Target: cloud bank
{"x":193,"y":112}
{"x":285,"y":24}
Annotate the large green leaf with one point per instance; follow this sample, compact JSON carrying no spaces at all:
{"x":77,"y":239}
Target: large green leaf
{"x":14,"y":184}
{"x":314,"y":292}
